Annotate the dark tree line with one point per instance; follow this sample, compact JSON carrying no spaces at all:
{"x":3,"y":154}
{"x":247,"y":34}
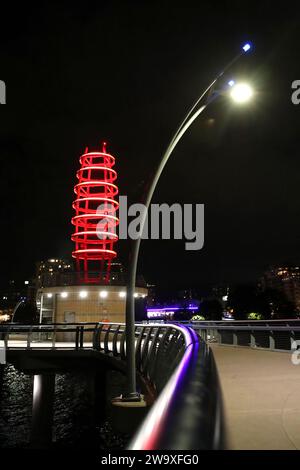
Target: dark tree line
{"x":271,"y":303}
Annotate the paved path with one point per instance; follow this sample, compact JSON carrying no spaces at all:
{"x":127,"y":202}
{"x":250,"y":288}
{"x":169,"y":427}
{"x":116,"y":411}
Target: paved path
{"x":261,"y":391}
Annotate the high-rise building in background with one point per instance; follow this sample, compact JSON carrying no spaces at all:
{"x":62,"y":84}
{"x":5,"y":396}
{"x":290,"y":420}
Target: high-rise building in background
{"x":48,"y":272}
{"x":285,"y":279}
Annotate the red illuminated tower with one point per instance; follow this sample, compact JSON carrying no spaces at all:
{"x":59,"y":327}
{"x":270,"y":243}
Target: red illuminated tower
{"x":96,"y":219}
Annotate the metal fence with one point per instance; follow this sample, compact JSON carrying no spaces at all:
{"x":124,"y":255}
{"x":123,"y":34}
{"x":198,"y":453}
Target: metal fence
{"x":274,"y":335}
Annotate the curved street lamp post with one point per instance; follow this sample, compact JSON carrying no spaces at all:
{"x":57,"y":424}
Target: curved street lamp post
{"x":239,"y":93}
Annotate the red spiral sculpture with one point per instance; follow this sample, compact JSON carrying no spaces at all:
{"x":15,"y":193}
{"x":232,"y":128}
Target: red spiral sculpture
{"x":95,"y":220}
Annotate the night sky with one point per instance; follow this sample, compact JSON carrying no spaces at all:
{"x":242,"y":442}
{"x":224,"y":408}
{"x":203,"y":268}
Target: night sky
{"x":127,"y":72}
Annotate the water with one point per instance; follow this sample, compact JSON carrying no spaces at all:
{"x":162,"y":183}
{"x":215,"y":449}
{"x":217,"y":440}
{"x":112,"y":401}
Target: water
{"x":79,"y":421}
{"x":15,"y":408}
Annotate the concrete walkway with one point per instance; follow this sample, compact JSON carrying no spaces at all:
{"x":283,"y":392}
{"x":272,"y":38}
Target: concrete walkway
{"x":261,"y":392}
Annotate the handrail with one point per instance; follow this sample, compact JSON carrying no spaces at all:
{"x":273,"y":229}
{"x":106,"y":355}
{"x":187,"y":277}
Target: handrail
{"x":188,"y":412}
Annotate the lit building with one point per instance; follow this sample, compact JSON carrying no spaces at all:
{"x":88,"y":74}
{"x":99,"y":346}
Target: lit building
{"x":285,"y":279}
{"x":220,"y":292}
{"x":151,"y":298}
{"x":52,"y":268}
{"x":72,"y":304}
{"x":96,"y":290}
{"x":169,"y":312}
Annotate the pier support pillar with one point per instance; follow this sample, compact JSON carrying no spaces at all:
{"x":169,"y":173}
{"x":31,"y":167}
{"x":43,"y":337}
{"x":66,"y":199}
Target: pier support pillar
{"x":42,"y":410}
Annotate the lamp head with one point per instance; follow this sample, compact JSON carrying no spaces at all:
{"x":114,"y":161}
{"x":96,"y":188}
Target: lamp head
{"x":241,"y":93}
{"x":246,"y":47}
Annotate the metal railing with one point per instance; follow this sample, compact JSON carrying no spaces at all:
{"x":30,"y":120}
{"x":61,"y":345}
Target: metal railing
{"x":187,"y":413}
{"x":47,"y":336}
{"x":275,"y":335}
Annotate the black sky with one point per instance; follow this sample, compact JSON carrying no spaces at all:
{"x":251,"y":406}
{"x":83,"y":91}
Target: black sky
{"x":127,"y":72}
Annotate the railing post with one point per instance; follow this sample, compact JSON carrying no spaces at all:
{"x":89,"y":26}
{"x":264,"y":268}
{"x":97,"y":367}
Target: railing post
{"x":29,"y":338}
{"x":106,"y":340}
{"x":205,"y":331}
{"x":81,"y":337}
{"x":6,"y":336}
{"x":54,"y":338}
{"x":234,"y":338}
{"x":252,"y":340}
{"x":271,"y":340}
{"x":95,"y":337}
{"x":77,"y":338}
{"x":115,"y":341}
{"x":292,"y":338}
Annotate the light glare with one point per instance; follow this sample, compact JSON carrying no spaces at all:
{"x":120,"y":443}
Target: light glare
{"x":241,"y":93}
{"x":246,"y":47}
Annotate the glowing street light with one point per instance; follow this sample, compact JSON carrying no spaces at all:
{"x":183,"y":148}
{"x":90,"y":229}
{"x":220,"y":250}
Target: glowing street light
{"x":241,"y":93}
{"x":246,"y":47}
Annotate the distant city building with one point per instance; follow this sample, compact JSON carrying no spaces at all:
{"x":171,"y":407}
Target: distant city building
{"x":220,"y":292}
{"x":151,"y":299}
{"x":168,"y":312}
{"x":54,"y":265}
{"x":285,"y":279}
{"x":185,"y":294}
{"x":51,"y":267}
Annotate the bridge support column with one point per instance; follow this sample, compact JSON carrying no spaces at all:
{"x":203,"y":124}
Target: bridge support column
{"x":42,"y":410}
